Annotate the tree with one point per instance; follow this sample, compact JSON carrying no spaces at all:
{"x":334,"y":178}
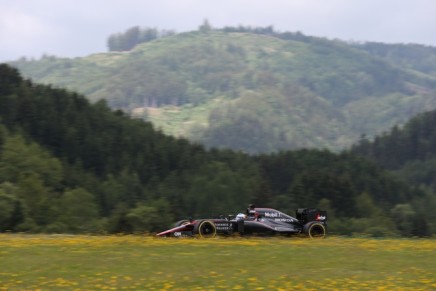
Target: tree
{"x":134,"y":36}
{"x":150,"y":217}
{"x":39,"y":201}
{"x":20,"y":159}
{"x":79,"y":210}
{"x":365,"y":206}
{"x":403,"y":216}
{"x":9,"y":79}
{"x":11,"y":211}
{"x":3,"y":135}
{"x":217,"y":189}
{"x":205,"y":27}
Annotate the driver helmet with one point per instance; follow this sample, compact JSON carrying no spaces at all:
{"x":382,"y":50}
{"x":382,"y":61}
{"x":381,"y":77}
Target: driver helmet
{"x":240,"y":216}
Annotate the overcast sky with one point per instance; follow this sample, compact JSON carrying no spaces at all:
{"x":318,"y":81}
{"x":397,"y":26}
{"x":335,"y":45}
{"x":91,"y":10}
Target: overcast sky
{"x":72,"y":28}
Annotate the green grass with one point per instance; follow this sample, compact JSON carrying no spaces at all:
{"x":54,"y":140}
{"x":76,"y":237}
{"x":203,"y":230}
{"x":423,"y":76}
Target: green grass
{"x":43,"y":262}
{"x":177,"y":121}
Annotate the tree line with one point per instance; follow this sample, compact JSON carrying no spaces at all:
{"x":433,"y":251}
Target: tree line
{"x":133,"y":36}
{"x":70,"y":166}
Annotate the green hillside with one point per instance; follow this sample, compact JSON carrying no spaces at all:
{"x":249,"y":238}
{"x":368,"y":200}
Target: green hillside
{"x":250,"y":90}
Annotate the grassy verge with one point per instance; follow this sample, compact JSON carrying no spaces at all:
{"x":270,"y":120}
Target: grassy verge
{"x":47,"y":262}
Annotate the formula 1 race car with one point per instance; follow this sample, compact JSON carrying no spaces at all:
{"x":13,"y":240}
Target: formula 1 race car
{"x":310,"y":222}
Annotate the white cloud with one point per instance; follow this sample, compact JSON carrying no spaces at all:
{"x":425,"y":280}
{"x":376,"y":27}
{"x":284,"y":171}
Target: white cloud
{"x":21,"y":33}
{"x":19,"y":27}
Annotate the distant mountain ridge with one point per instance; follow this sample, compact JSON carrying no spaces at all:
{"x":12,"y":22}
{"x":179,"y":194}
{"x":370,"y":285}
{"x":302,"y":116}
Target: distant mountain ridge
{"x":255,"y":91}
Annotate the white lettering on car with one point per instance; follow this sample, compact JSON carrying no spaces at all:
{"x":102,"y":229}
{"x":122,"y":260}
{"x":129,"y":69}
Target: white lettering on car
{"x":223,"y":226}
{"x":272,"y":214}
{"x":283,"y":220}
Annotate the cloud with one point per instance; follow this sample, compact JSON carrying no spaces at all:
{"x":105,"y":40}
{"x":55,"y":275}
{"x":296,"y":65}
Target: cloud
{"x":20,"y":31}
{"x":19,"y":28}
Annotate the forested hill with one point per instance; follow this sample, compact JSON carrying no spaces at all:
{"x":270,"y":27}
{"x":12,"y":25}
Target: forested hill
{"x":409,"y":150}
{"x":254,"y":90}
{"x":67,"y":165}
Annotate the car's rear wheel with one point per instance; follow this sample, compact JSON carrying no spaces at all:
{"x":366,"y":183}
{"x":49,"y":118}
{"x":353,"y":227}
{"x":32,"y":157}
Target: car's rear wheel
{"x":315,"y":230}
{"x":205,"y":229}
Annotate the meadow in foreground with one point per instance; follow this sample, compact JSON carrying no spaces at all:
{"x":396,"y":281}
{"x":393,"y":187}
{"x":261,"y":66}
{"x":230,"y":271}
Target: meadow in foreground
{"x":62,"y":262}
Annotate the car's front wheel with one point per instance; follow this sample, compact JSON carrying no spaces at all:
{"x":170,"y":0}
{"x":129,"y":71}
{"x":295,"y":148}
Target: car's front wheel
{"x":205,"y":229}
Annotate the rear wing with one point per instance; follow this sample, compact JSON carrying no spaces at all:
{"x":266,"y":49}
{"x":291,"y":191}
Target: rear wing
{"x":305,"y":215}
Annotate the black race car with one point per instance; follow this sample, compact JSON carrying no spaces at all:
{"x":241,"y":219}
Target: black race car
{"x":310,"y":222}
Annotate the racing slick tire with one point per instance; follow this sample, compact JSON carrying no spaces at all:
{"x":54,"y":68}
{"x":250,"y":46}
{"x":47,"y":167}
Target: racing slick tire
{"x":205,"y":229}
{"x":315,"y":229}
{"x":181,"y":222}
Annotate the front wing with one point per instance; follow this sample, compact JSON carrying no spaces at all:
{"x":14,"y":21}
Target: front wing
{"x":178,"y":229}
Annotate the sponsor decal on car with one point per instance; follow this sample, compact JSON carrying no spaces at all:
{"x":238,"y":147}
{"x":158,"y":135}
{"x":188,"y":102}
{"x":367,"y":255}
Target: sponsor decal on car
{"x":272,"y":214}
{"x":283,"y":220}
{"x":223,"y":226}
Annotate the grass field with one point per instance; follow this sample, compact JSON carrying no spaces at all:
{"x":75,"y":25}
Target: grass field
{"x":62,"y":262}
